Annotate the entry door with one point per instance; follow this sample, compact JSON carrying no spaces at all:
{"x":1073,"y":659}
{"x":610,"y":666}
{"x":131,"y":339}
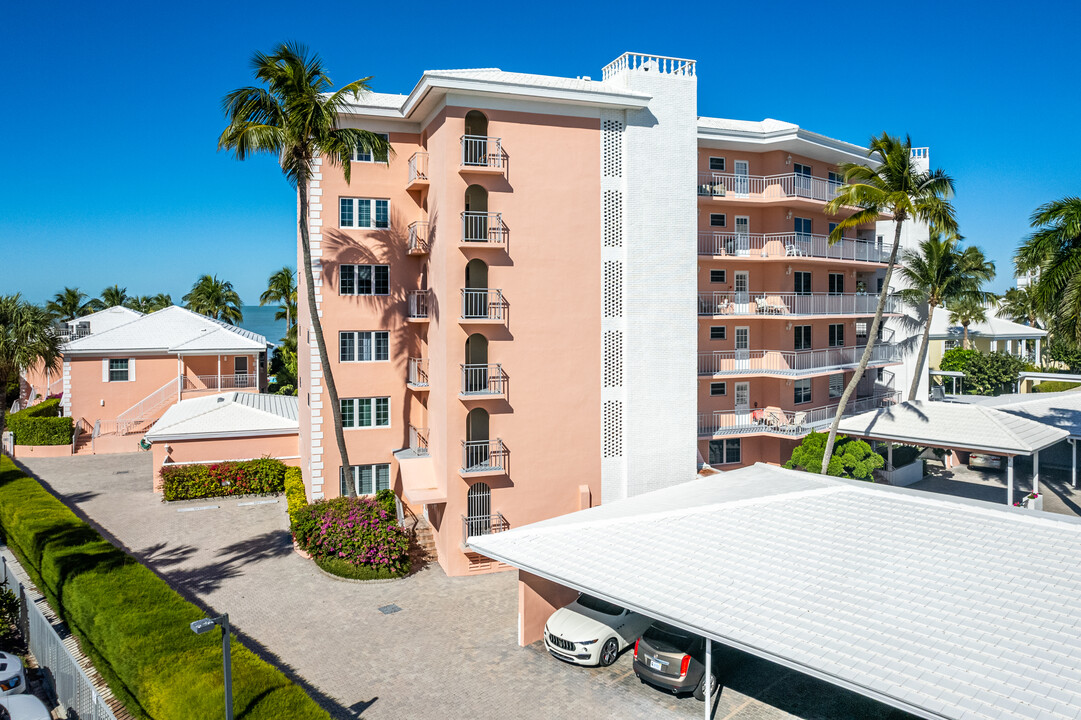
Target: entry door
{"x":742,"y":180}
{"x":240,"y":370}
{"x":743,"y":403}
{"x":743,"y":235}
{"x":742,"y":294}
{"x":743,"y":348}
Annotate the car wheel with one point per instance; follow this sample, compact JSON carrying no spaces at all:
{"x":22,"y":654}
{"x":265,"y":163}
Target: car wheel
{"x":609,"y":652}
{"x":700,"y":691}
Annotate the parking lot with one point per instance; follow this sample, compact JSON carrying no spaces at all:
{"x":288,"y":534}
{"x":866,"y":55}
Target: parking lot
{"x":451,"y":649}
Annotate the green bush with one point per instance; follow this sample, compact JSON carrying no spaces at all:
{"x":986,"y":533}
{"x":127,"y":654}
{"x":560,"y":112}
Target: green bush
{"x":130,"y":622}
{"x":342,"y":568}
{"x":46,"y":408}
{"x":41,"y":425}
{"x":249,"y":477}
{"x":851,"y":458}
{"x":295,"y":496}
{"x":1054,"y":386}
{"x":357,"y":530}
{"x":902,"y":454}
{"x":985,"y":374}
{"x":386,"y":499}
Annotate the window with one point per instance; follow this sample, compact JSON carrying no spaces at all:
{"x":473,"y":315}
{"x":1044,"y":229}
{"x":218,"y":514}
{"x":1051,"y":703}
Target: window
{"x":802,"y":340}
{"x":802,"y":178}
{"x":861,"y":329}
{"x":802,"y":391}
{"x":718,"y":276}
{"x":716,"y":163}
{"x":724,"y":452}
{"x":833,"y":226}
{"x":802,"y":282}
{"x":718,"y":332}
{"x":363,"y":346}
{"x":881,"y":373}
{"x":718,"y":220}
{"x":837,"y":283}
{"x":364,"y":280}
{"x":837,"y":385}
{"x":879,"y":291}
{"x":357,"y":213}
{"x":361,"y":156}
{"x":802,"y":227}
{"x":951,"y":344}
{"x":118,"y":370}
{"x":366,"y":480}
{"x":365,"y":412}
{"x":718,"y":388}
{"x":836,"y":180}
{"x":837,"y":335}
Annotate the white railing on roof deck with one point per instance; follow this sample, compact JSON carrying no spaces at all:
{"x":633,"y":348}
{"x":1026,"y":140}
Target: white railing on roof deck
{"x":649,"y":63}
{"x":788,"y":245}
{"x":141,"y":411}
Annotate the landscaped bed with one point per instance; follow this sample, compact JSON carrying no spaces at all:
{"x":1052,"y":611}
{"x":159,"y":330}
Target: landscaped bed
{"x":249,"y":477}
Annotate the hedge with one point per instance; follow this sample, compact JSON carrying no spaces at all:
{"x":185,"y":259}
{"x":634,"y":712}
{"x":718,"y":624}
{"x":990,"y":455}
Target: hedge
{"x":1054,"y":386}
{"x":130,"y":623}
{"x":40,"y":425}
{"x":248,"y":477}
{"x":295,"y":496}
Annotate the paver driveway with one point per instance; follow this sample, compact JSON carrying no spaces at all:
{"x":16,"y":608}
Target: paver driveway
{"x":451,"y":651}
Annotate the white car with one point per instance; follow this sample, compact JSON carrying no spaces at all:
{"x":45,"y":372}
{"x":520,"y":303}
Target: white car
{"x":12,"y":676}
{"x":23,"y":707}
{"x":590,"y":631}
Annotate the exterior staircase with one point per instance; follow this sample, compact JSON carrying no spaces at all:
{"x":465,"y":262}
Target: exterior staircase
{"x":423,"y":541}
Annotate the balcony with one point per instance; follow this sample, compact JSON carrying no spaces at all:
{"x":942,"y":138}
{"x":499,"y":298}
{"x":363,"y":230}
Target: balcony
{"x":483,"y":306}
{"x":418,"y":238}
{"x":482,"y":154}
{"x":790,"y":245}
{"x":483,"y":230}
{"x":417,"y":374}
{"x":788,"y":423}
{"x":764,"y":188}
{"x":474,"y":525}
{"x":418,"y":171}
{"x":417,"y":310}
{"x":483,"y":457}
{"x":481,"y":382}
{"x":778,"y":304}
{"x":792,"y":364}
{"x":225,"y":381}
{"x":418,"y":441}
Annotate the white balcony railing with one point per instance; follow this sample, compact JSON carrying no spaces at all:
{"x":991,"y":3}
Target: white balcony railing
{"x":767,"y":187}
{"x":483,"y":380}
{"x":788,"y":245}
{"x":481,"y":151}
{"x":474,"y":525}
{"x":774,"y":421}
{"x":146,"y":409}
{"x":778,"y":303}
{"x":483,"y":227}
{"x":418,"y":372}
{"x":418,"y":238}
{"x":225,"y":381}
{"x":418,"y":167}
{"x":777,"y":362}
{"x":649,"y":63}
{"x":418,"y":441}
{"x":483,"y":304}
{"x":418,"y":304}
{"x":483,"y":456}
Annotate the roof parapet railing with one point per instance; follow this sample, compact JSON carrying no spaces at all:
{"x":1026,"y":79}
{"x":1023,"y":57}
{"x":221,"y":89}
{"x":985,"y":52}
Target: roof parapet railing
{"x":649,"y":63}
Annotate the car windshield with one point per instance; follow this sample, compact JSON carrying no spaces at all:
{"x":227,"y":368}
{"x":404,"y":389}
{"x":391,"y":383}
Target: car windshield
{"x":597,"y":605}
{"x":667,"y":638}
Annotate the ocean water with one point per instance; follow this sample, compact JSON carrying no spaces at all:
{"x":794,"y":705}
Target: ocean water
{"x":261,"y":320}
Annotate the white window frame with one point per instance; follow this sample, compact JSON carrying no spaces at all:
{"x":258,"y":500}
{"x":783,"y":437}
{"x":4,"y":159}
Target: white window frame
{"x":837,"y":385}
{"x":725,"y":444}
{"x":709,"y":164}
{"x":797,"y":331}
{"x":832,"y":342}
{"x":372,"y":213}
{"x":357,"y":156}
{"x":371,"y":402}
{"x":801,"y":385}
{"x":374,"y":467}
{"x":128,"y":370}
{"x":810,"y":280}
{"x":353,"y":270}
{"x":356,"y":345}
{"x":832,"y":283}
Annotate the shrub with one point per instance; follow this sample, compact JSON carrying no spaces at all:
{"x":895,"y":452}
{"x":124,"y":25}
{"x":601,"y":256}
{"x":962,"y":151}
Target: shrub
{"x":1054,"y":386}
{"x":130,"y":622}
{"x":249,"y":477}
{"x":357,"y":530}
{"x":295,"y":495}
{"x":41,"y":425}
{"x":902,"y":454}
{"x":341,"y":568}
{"x":985,"y":374}
{"x":386,"y":499}
{"x":851,"y":458}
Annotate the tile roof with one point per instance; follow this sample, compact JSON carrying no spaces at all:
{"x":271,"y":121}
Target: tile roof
{"x":172,"y":329}
{"x":230,"y":414}
{"x":943,"y":607}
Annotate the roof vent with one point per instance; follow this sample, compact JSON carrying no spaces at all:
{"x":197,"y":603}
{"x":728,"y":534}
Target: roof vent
{"x":221,"y":398}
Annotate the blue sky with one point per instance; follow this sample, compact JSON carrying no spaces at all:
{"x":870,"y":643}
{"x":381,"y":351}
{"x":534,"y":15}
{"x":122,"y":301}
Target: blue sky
{"x":112,"y":109}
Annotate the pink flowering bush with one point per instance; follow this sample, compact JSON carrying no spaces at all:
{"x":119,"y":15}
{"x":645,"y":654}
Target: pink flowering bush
{"x":355,"y":530}
{"x":249,"y":477}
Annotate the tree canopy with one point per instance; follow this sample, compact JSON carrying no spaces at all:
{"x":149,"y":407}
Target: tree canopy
{"x":851,"y":458}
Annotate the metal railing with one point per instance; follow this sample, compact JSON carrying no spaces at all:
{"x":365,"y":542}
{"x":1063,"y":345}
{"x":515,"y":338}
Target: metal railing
{"x":143,"y":410}
{"x":483,"y":227}
{"x":418,"y":304}
{"x":774,"y":421}
{"x":418,"y":372}
{"x":67,"y":334}
{"x":225,"y":381}
{"x":483,"y":456}
{"x":418,"y":237}
{"x":418,"y":440}
{"x":788,"y":245}
{"x":483,"y":304}
{"x":764,"y":187}
{"x":418,"y":167}
{"x":781,"y":303}
{"x":782,"y":362}
{"x":474,"y":525}
{"x":484,"y":380}
{"x":649,"y":63}
{"x":482,"y":151}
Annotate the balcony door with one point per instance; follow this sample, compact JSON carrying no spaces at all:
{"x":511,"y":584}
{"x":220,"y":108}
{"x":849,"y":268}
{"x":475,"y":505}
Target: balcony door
{"x":240,"y":371}
{"x":476,"y":364}
{"x":742,"y":290}
{"x":743,"y":348}
{"x":743,"y":403}
{"x":476,"y":435}
{"x":742,"y":181}
{"x":743,"y":236}
{"x":479,"y":504}
{"x":802,"y":179}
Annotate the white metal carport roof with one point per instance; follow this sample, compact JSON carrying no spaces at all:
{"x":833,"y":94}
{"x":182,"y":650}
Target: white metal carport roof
{"x":942,"y":607}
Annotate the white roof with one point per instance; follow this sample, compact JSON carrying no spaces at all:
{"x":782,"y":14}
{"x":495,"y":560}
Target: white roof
{"x":171,"y":330}
{"x":231,"y":414}
{"x":943,"y":607}
{"x":954,"y":425}
{"x":106,"y":319}
{"x":1059,"y":409}
{"x":995,"y":327}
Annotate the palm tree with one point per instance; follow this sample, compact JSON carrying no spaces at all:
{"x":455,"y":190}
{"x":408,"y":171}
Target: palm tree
{"x":938,"y":274}
{"x":895,"y":186}
{"x":160,"y":302}
{"x":1054,"y":252}
{"x":149,"y":303}
{"x":295,"y":119}
{"x":214,"y":298}
{"x":71,"y":303}
{"x":27,"y":338}
{"x":966,"y":310}
{"x":1021,"y":306}
{"x":282,"y":289}
{"x":113,"y":296}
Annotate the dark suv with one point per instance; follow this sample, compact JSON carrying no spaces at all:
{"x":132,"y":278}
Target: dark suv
{"x":674,"y":660}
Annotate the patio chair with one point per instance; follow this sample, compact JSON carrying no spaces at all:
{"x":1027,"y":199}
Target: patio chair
{"x":798,"y":419}
{"x":774,"y":416}
{"x":776,"y":305}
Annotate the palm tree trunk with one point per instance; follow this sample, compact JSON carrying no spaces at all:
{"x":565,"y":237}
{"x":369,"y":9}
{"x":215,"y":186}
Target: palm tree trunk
{"x":922,"y":358}
{"x":872,"y":336}
{"x":317,"y":328}
{"x":3,"y":402}
{"x":964,"y":338}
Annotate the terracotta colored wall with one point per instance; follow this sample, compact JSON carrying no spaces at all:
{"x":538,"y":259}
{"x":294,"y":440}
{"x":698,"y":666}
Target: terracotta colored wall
{"x":282,"y":447}
{"x":765,"y":163}
{"x":25,"y":451}
{"x":537,"y":600}
{"x":88,"y":391}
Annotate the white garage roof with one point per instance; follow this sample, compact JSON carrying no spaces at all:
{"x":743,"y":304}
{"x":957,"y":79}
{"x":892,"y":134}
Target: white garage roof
{"x":227,"y":415}
{"x":173,"y":330}
{"x":1057,"y":409}
{"x":942,"y":607}
{"x":954,"y":425}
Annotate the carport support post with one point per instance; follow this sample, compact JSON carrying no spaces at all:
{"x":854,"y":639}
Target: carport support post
{"x":707,"y":678}
{"x":218,"y":388}
{"x":1036,"y":472}
{"x":889,"y":456}
{"x":1073,"y":476}
{"x":1009,"y":481}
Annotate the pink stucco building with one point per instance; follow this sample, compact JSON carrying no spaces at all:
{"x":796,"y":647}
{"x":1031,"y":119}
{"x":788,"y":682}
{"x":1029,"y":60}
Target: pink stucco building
{"x":562,"y":291}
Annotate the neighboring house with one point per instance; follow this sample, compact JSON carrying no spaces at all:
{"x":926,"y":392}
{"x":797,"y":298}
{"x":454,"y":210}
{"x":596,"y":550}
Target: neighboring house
{"x":225,"y":426}
{"x":533,"y":308}
{"x":997,"y":334}
{"x":117,"y":382}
